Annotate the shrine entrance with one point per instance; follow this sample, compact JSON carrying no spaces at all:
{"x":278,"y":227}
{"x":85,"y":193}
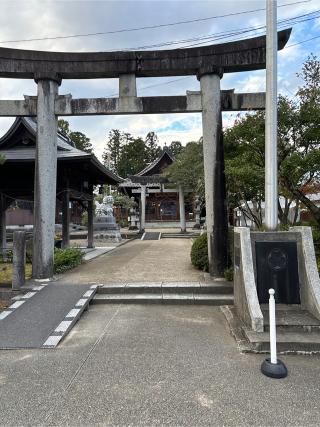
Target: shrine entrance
{"x":208,"y":63}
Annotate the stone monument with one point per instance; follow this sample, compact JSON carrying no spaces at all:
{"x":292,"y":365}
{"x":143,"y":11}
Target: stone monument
{"x":104,"y":225}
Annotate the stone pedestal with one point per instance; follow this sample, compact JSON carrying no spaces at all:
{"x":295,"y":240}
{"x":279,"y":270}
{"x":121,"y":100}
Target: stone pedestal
{"x":279,"y":262}
{"x":104,"y":223}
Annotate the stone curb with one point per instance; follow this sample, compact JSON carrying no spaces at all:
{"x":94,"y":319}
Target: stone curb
{"x":64,"y":327}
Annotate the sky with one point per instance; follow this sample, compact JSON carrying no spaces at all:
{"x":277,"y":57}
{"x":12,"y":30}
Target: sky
{"x":37,"y":19}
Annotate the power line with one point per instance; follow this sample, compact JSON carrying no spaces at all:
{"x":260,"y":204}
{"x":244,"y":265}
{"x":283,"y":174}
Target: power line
{"x":303,"y":41}
{"x":226,"y":35}
{"x":148,"y":27}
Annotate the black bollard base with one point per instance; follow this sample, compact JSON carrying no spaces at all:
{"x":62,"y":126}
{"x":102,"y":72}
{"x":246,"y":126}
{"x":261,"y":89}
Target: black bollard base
{"x":274,"y":370}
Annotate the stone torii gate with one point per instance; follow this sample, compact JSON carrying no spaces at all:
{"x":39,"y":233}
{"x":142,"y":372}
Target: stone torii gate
{"x":208,"y":63}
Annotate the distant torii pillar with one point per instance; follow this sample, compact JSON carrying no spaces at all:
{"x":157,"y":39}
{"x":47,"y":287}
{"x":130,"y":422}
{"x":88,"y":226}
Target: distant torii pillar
{"x":143,"y":208}
{"x":183,"y":226}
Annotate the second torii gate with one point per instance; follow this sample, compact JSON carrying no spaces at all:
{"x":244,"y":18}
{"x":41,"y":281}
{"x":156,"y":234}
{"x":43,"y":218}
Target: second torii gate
{"x":208,"y":63}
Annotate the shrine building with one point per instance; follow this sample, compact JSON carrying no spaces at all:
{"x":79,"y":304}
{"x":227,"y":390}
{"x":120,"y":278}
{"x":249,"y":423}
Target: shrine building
{"x":161,"y":204}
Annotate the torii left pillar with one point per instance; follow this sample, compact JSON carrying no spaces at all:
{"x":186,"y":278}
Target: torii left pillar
{"x":215,"y":187}
{"x":45,"y":179}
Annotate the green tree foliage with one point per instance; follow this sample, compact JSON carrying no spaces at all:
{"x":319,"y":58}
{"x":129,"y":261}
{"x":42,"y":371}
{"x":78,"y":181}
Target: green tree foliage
{"x":127,"y":155}
{"x":112,"y":151}
{"x":152,"y":148}
{"x":298,"y":150}
{"x":187,"y":169}
{"x":133,"y":157}
{"x":81,"y":141}
{"x":175,"y":148}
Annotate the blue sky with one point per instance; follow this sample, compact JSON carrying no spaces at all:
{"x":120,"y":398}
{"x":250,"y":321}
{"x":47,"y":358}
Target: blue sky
{"x":40,"y":18}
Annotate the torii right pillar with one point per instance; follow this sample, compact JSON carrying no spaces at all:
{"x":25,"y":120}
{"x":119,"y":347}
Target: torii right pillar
{"x":215,"y":185}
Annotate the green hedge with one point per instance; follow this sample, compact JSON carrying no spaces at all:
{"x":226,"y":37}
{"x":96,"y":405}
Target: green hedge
{"x":65,"y":259}
{"x":199,"y":253}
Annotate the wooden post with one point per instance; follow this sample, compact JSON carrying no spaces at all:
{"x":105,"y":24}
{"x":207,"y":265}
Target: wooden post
{"x":65,"y":219}
{"x":19,"y":260}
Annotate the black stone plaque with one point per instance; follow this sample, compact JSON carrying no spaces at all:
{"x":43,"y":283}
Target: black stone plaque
{"x":277,"y":268}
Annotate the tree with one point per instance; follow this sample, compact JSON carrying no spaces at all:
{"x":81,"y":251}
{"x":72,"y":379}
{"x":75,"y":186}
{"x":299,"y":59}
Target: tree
{"x":63,"y":126}
{"x":175,"y":148}
{"x":305,"y":164}
{"x":298,"y":151}
{"x":152,"y":148}
{"x":244,"y":165}
{"x":111,"y":154}
{"x":132,"y":158}
{"x":187,"y":169}
{"x":81,"y":141}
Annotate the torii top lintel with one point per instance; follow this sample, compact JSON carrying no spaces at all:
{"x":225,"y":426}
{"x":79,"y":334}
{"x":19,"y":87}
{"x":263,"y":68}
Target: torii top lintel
{"x":241,"y":55}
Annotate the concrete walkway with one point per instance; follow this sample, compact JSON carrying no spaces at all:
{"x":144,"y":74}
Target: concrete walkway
{"x":140,"y":261}
{"x":43,"y":316}
{"x":153,"y":366}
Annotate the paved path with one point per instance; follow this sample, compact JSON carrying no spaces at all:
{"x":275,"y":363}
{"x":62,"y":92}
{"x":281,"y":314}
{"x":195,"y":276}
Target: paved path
{"x":153,"y":366}
{"x":43,"y":316}
{"x":140,"y":261}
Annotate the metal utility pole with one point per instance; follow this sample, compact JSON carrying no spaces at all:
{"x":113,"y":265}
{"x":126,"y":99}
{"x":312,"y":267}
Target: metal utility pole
{"x":271,"y":162}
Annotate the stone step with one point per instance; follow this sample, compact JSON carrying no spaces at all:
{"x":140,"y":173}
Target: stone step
{"x":178,"y":235}
{"x":286,"y":341}
{"x":292,"y":320}
{"x":169,"y":287}
{"x":165,"y":298}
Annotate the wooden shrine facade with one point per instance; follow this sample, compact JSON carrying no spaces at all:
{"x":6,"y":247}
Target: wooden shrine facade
{"x":77,"y":173}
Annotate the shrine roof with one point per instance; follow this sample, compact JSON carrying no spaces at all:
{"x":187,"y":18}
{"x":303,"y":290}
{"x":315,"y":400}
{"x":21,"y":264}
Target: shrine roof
{"x":19,"y":145}
{"x":164,"y":159}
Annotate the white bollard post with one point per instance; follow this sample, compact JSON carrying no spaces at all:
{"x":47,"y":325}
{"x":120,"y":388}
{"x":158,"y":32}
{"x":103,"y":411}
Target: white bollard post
{"x":273,"y":367}
{"x":272,"y":322}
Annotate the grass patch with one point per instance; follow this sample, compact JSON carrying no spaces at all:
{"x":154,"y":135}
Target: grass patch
{"x":6,"y":272}
{"x":65,"y":259}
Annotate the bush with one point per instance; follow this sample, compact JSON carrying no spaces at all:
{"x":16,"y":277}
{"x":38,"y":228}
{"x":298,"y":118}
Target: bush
{"x":65,"y":259}
{"x":6,"y":256}
{"x":199,"y":253}
{"x":122,"y":222}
